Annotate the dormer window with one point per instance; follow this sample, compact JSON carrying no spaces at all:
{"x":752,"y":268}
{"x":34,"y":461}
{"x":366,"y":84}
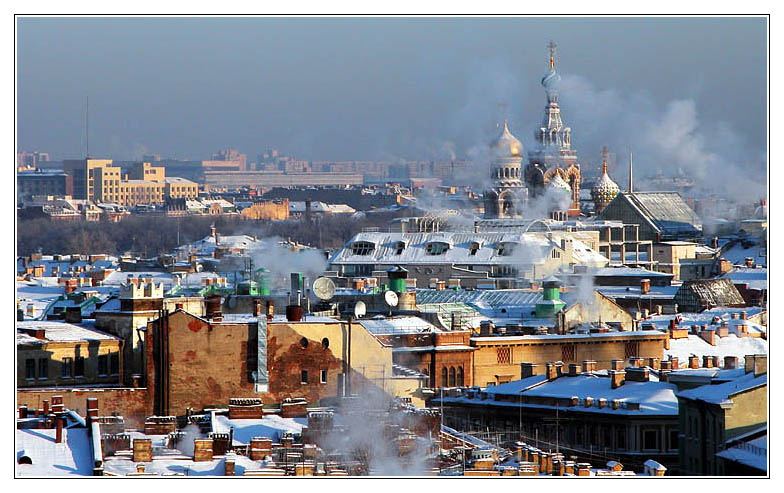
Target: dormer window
{"x":436,"y":248}
{"x":473,"y":247}
{"x":399,"y":246}
{"x":505,"y":249}
{"x":362,"y":248}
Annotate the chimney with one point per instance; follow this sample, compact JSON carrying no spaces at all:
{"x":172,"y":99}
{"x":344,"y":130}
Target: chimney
{"x":645,"y":286}
{"x":617,"y":378}
{"x":617,"y":365}
{"x":57,"y":404}
{"x":730,"y":362}
{"x":136,"y":380}
{"x":636,"y":362}
{"x":574,"y":369}
{"x":638,"y":375}
{"x":256,"y":308}
{"x":270,"y":309}
{"x":734,"y":315}
{"x":575,"y":400}
{"x":527,"y":370}
{"x":659,"y":309}
{"x":743,"y":315}
{"x":142,"y":450}
{"x":553,"y":370}
{"x":616,"y":403}
{"x":58,"y":419}
{"x":749,"y":262}
{"x":675,"y":364}
{"x":178,"y":306}
{"x":654,"y":363}
{"x":73,"y":315}
{"x":23,"y":411}
{"x":46,"y":407}
{"x":589,"y":365}
{"x":715,"y":361}
{"x":202,"y":449}
{"x":757,"y":363}
{"x":666,"y":365}
{"x":583,"y":469}
{"x":602,"y":403}
{"x":694,"y":362}
{"x":645,"y":313}
{"x":709,"y":336}
{"x":229,"y":467}
{"x":140,"y":467}
{"x":588,"y":401}
{"x":92,"y":408}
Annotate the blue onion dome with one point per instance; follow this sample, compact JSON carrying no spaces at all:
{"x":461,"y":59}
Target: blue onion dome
{"x":506,"y":144}
{"x":551,"y":80}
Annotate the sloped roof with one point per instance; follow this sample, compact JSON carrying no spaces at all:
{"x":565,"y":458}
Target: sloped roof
{"x":717,"y":394}
{"x":712,"y":292}
{"x":666,"y":211}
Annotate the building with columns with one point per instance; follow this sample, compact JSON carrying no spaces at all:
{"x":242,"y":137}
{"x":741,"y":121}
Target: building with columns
{"x":507,"y":195}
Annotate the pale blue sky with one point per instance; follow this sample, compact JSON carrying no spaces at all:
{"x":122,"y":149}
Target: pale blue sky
{"x":340,"y":89}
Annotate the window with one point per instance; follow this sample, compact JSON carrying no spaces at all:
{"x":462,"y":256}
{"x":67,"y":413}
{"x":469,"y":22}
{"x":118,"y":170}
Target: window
{"x":323,"y":376}
{"x":399,"y":247}
{"x":452,"y":377}
{"x":304,"y":378}
{"x":473,"y":248}
{"x":620,"y":438}
{"x":79,"y":367}
{"x":325,"y":343}
{"x":304,"y":342}
{"x":362,"y":248}
{"x":460,"y":381}
{"x":444,"y":377}
{"x":673,"y":439}
{"x":30,"y":369}
{"x":505,"y":249}
{"x":632,"y":349}
{"x":567,"y":352}
{"x":650,"y":440}
{"x":555,"y":254}
{"x":67,"y":368}
{"x":103,"y":365}
{"x":114,"y":363}
{"x":504,"y":355}
{"x":43,"y":369}
{"x":436,"y":248}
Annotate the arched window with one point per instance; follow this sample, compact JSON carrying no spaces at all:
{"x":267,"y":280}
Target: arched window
{"x":452,"y":377}
{"x":460,"y":381}
{"x":444,"y":378}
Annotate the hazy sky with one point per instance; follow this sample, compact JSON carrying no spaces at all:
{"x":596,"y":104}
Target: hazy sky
{"x":342,"y":89}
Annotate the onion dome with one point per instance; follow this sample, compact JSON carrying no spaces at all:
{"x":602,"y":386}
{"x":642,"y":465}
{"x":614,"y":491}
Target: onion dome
{"x":556,"y":182}
{"x":604,"y":190}
{"x":551,"y":80}
{"x":506,"y":144}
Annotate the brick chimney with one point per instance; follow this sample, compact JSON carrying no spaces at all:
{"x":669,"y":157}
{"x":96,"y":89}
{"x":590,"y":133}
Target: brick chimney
{"x":636,"y":362}
{"x":588,"y":401}
{"x":270,"y":309}
{"x":202,"y":449}
{"x":757,"y":363}
{"x":617,"y":365}
{"x":616,"y":403}
{"x":602,"y":403}
{"x":638,"y":375}
{"x":142,"y":450}
{"x":709,"y":336}
{"x":256,"y":308}
{"x":707,"y":361}
{"x":58,"y":420}
{"x":743,"y":315}
{"x":674,"y":363}
{"x":749,"y":262}
{"x":645,"y":286}
{"x":527,"y":370}
{"x":654,"y":363}
{"x":23,"y":411}
{"x":583,"y":469}
{"x":46,"y":406}
{"x":73,"y":315}
{"x":589,"y":365}
{"x":617,"y":378}
{"x":92,"y":408}
{"x":140,"y":468}
{"x":574,"y":369}
{"x":228,"y":464}
{"x":694,"y":362}
{"x":730,"y":362}
{"x":57,"y":404}
{"x":553,"y":370}
{"x":575,"y":400}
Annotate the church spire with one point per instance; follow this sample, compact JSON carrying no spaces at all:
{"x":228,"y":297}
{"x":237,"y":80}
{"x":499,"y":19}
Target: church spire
{"x":605,"y":154}
{"x":551,"y":46}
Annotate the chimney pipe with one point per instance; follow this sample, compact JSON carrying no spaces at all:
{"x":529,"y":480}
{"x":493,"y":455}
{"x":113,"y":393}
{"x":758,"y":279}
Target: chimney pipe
{"x":617,"y":378}
{"x":270,"y":310}
{"x":645,"y":286}
{"x":256,"y":308}
{"x":59,"y":428}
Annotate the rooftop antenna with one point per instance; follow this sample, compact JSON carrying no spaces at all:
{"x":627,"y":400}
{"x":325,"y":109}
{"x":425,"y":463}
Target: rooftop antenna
{"x":631,"y":172}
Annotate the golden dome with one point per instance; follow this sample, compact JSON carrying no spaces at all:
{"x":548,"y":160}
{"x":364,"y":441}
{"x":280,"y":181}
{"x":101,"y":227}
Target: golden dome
{"x":506,"y":144}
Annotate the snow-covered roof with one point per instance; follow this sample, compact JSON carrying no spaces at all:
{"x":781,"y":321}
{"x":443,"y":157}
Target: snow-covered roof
{"x":72,"y":457}
{"x":526,"y":249}
{"x":270,"y":426}
{"x":181,"y":466}
{"x":753,"y":453}
{"x":663,"y":293}
{"x":725,"y":346}
{"x":397,"y":325}
{"x":722,"y":393}
{"x":737,"y":254}
{"x":62,"y":332}
{"x":756,"y":278}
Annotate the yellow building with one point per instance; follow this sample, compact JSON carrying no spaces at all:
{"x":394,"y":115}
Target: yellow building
{"x":177,"y":188}
{"x":144,"y":184}
{"x":83,"y":172}
{"x":61,"y":354}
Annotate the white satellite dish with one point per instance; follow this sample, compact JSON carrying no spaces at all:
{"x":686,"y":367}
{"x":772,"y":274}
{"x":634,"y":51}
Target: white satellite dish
{"x":360,"y":309}
{"x":391,"y":298}
{"x":324,"y":288}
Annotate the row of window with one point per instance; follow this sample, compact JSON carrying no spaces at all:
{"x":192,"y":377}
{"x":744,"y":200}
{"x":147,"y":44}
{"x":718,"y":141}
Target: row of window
{"x":72,"y":367}
{"x":503,"y":249}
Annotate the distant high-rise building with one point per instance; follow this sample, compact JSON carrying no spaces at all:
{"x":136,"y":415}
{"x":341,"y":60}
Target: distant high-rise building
{"x":232,"y":155}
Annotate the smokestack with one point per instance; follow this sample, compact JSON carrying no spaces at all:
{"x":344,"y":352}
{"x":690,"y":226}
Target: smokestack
{"x":59,"y":428}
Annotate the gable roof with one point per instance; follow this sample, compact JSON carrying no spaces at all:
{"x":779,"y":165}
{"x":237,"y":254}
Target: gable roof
{"x":710,"y":292}
{"x":666,"y":212}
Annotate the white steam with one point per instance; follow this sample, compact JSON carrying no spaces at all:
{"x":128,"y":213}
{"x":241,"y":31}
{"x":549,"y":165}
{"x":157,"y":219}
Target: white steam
{"x":281,"y":261}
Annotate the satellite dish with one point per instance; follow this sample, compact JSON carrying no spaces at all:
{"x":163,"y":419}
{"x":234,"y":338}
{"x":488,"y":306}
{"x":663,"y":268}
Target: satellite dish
{"x":391,"y":298}
{"x":359,"y":309}
{"x":324,"y":288}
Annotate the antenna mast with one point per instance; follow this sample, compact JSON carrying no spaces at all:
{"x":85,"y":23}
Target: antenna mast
{"x":87,"y":126}
{"x":631,"y":172}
